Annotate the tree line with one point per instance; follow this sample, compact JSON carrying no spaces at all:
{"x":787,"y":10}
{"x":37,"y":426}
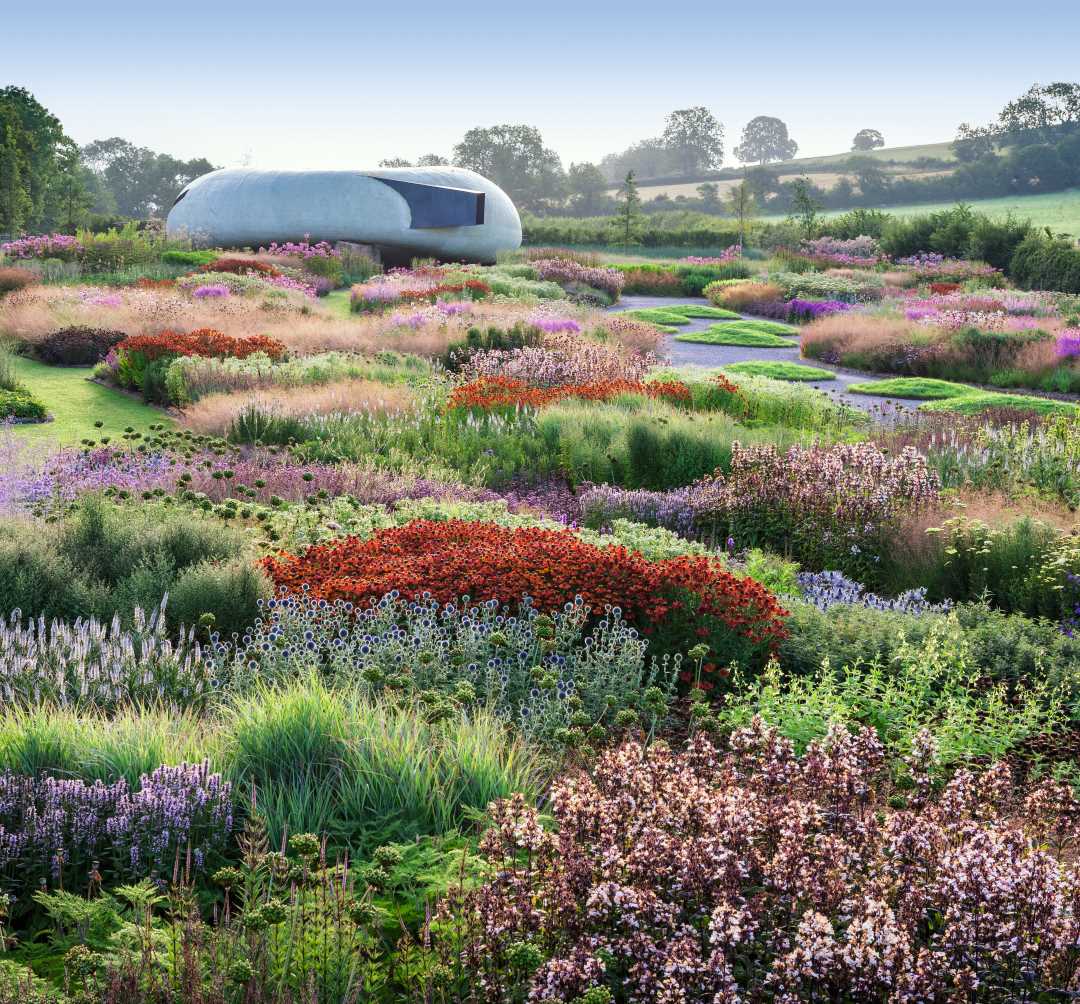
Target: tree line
{"x":48,"y":182}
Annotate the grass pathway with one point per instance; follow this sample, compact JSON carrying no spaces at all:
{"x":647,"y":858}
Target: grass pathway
{"x":76,"y":402}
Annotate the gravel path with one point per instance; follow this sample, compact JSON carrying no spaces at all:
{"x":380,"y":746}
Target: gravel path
{"x":698,"y":354}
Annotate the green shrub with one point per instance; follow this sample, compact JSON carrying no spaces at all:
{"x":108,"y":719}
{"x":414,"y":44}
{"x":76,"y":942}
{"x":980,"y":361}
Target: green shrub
{"x":103,"y":559}
{"x":1003,"y":647}
{"x":924,"y":685}
{"x":22,"y":405}
{"x":191,"y":258}
{"x":1042,"y":262}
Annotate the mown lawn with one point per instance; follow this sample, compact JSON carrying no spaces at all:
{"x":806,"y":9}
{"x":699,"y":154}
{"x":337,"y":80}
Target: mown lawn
{"x":76,"y":403}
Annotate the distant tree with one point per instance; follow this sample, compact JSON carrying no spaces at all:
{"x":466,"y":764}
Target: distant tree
{"x":31,"y":140}
{"x":972,"y":143}
{"x":742,"y":204}
{"x":586,"y":184}
{"x":763,"y":181}
{"x":648,"y":158}
{"x":73,"y":195}
{"x":1038,"y":167}
{"x":709,"y":193}
{"x":142,"y":182}
{"x":395,"y":162}
{"x":629,"y":216}
{"x":696,"y":139}
{"x":1044,"y":111}
{"x":871,"y":178}
{"x":763,"y":139}
{"x":515,"y":158}
{"x":432,"y":160}
{"x":866,"y":140}
{"x":804,"y":207}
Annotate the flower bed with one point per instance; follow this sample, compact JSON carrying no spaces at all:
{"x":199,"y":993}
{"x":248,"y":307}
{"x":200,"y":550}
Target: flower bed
{"x":487,"y":393}
{"x":676,"y":601}
{"x":702,"y":878}
{"x":204,"y":342}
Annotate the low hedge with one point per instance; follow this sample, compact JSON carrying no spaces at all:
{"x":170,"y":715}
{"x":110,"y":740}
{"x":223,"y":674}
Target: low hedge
{"x":1041,"y":262}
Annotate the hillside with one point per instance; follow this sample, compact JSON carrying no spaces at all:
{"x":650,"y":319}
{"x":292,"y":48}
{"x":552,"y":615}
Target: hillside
{"x":1060,"y":211}
{"x":817,"y":169}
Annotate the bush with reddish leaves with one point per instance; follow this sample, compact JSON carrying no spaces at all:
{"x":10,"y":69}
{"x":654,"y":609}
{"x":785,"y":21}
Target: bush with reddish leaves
{"x":77,"y":346}
{"x":677,"y":602}
{"x":709,"y":878}
{"x":488,"y":393}
{"x":240,"y":266}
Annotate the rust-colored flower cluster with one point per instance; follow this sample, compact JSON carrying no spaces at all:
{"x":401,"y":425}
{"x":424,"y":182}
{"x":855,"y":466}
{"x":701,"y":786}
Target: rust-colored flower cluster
{"x":677,"y":602}
{"x":487,"y":393}
{"x":202,"y":342}
{"x":473,"y":287}
{"x":145,"y":283}
{"x":942,"y":288}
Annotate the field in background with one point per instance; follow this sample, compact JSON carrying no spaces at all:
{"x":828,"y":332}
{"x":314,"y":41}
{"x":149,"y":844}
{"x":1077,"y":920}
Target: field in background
{"x":1060,"y":211}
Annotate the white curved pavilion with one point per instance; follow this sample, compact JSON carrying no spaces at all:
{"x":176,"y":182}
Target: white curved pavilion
{"x":443,"y":212}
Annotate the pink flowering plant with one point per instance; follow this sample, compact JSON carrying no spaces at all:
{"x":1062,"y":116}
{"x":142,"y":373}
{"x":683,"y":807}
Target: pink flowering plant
{"x":710,"y":877}
{"x":567,"y":272}
{"x":830,"y":507}
{"x":729,"y":254}
{"x":62,"y":246}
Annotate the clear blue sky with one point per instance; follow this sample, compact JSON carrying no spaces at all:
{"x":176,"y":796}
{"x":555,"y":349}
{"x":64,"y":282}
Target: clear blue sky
{"x":300,"y":84}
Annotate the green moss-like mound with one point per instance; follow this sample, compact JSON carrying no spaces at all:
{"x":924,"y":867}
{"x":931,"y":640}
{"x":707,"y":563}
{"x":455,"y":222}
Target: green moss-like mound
{"x":779,"y":370}
{"x":748,"y":333}
{"x":977,"y":401}
{"x":916,"y":388}
{"x":703,"y":310}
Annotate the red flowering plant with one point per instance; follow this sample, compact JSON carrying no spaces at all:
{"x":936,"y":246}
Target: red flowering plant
{"x":701,"y":877}
{"x":241,"y":266}
{"x":678,"y":603}
{"x":139,"y":355}
{"x":493,"y":392}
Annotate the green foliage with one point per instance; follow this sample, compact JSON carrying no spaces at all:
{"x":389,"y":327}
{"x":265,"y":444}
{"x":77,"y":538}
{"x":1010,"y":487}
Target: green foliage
{"x":1043,"y":262}
{"x":330,"y":761}
{"x":921,"y":686}
{"x":1022,"y":566}
{"x":21,"y":404}
{"x":1002,"y":647}
{"x":779,"y":370}
{"x":102,"y":559}
{"x":917,"y":388}
{"x":979,"y":401}
{"x":192,"y":259}
{"x":746,"y":333}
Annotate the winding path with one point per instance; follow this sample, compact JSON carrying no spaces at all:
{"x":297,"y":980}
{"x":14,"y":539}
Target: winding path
{"x":699,"y":354}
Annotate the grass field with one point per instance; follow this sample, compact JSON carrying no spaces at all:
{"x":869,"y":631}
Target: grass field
{"x":1060,"y":211}
{"x":76,"y":403}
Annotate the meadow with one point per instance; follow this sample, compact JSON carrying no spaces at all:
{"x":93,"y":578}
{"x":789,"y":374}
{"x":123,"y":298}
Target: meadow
{"x":424,"y":634}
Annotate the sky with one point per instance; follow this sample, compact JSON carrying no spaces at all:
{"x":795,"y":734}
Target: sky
{"x":343,"y":85}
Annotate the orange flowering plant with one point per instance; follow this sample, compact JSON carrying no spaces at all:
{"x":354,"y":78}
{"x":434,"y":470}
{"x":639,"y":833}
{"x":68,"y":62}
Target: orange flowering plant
{"x":678,"y":603}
